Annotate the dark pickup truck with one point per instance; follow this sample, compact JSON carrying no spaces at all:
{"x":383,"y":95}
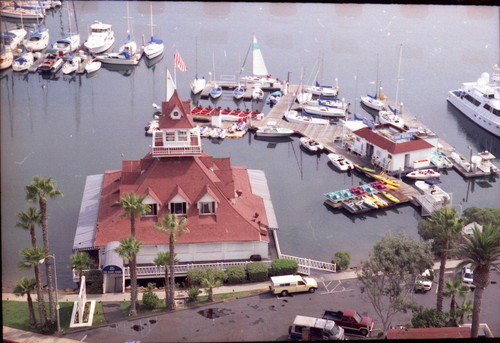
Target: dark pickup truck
{"x":350,"y":320}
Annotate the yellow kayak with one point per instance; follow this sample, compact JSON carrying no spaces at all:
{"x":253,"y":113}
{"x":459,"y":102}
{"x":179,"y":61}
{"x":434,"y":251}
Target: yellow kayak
{"x":387,"y":180}
{"x":372,"y":199}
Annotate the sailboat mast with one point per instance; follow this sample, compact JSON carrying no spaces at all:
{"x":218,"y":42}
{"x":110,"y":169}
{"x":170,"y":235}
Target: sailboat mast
{"x":74,"y":13}
{"x":399,"y":74}
{"x":151,"y":11}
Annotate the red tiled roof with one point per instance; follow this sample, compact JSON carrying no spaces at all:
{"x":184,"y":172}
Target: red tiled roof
{"x":429,"y":333}
{"x":185,"y":122}
{"x":392,"y":147}
{"x":237,"y":217}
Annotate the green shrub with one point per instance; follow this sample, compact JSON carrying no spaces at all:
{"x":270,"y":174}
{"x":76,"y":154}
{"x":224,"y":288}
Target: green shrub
{"x":193,"y":293}
{"x":196,"y":275}
{"x":429,"y":318}
{"x":284,"y":267}
{"x":218,"y":274}
{"x":150,"y":299}
{"x":342,"y":260}
{"x":94,"y":281}
{"x":257,"y":271}
{"x":236,"y":274}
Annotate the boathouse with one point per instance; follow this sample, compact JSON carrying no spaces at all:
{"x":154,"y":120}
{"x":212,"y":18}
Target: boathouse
{"x":393,"y":148}
{"x":228,"y":208}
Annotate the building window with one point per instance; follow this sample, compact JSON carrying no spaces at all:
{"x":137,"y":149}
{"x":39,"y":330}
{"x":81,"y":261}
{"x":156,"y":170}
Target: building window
{"x":178,"y":207}
{"x":207,"y":207}
{"x":170,"y":136}
{"x":154,"y":210}
{"x":182,"y":136}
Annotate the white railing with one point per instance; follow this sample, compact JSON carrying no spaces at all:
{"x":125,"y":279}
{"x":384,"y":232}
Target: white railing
{"x":305,"y":264}
{"x":159,"y":151}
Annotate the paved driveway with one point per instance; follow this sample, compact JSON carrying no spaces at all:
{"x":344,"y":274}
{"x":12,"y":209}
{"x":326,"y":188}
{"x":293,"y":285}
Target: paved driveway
{"x":264,"y":317}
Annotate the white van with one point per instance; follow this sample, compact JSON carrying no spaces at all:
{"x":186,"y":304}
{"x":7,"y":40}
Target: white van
{"x":315,"y":329}
{"x":286,"y":284}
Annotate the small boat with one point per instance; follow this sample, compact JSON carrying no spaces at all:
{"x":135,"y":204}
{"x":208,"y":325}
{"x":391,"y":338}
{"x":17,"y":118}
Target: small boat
{"x":52,"y":62}
{"x":198,"y":84}
{"x":368,"y":201}
{"x":294,"y":116}
{"x":6,"y":58}
{"x":310,"y":144}
{"x":349,"y":205}
{"x":327,"y":108}
{"x":379,"y":200}
{"x":317,"y":89}
{"x":101,"y":38}
{"x":257,"y":93}
{"x":19,"y":12}
{"x":368,"y":189}
{"x":391,"y":197}
{"x":423,"y":174}
{"x":436,"y":193}
{"x":387,"y":180}
{"x":216,"y":91}
{"x":340,"y":162}
{"x":372,"y":102}
{"x":390,"y":117}
{"x":239,"y":92}
{"x":274,"y":97}
{"x":378,"y":185}
{"x":24,"y":61}
{"x":68,"y":44}
{"x":341,"y":195}
{"x":357,"y":191}
{"x":303,"y":97}
{"x":371,"y":199}
{"x":72,"y":64}
{"x":273,"y":131}
{"x":154,"y":47}
{"x":364,"y":169}
{"x":13,"y":38}
{"x":93,"y":66}
{"x":440,"y":160}
{"x":37,"y":40}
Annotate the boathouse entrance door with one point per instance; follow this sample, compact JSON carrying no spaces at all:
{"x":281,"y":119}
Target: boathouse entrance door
{"x":369,"y":150}
{"x":407,"y":161}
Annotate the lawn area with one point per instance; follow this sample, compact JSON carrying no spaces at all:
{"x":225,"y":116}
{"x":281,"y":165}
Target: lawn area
{"x":15,"y":314}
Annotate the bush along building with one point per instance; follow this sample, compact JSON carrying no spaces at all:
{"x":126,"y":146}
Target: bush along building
{"x":228,"y":208}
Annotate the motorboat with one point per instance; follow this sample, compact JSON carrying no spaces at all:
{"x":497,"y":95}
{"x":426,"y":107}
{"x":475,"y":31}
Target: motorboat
{"x":239,"y":92}
{"x":328,"y":91}
{"x":13,"y":38}
{"x":37,"y":40}
{"x":294,"y":116}
{"x":274,"y":97}
{"x":68,"y":44}
{"x":311,"y":144}
{"x":154,"y":47}
{"x":434,"y":192}
{"x":93,"y":66}
{"x":128,"y":55}
{"x":72,"y":64}
{"x":480,"y":101}
{"x":340,"y":162}
{"x":101,"y":38}
{"x":273,"y":131}
{"x":24,"y":61}
{"x":216,"y":91}
{"x":19,"y":12}
{"x":422,"y":174}
{"x":6,"y":58}
{"x":52,"y":62}
{"x":440,"y":160}
{"x":198,"y":84}
{"x":257,"y":93}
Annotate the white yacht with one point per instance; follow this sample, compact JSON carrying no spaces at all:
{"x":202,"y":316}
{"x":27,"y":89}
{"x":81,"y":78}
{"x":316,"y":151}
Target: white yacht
{"x":101,"y":38}
{"x":480,"y":101}
{"x":37,"y":40}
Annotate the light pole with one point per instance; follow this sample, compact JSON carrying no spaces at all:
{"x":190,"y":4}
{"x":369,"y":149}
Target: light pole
{"x":55,"y":277}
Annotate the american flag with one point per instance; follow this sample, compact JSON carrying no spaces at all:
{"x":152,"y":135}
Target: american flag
{"x":178,"y":62}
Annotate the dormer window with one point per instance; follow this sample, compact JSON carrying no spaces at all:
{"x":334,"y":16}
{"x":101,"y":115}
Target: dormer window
{"x":153,"y":202}
{"x":154,"y":210}
{"x":178,"y":208}
{"x":207,"y":207}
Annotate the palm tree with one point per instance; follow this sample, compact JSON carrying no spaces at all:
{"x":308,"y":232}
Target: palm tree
{"x":32,"y":257}
{"x":29,"y":220}
{"x":455,"y":288}
{"x":172,"y":226}
{"x":81,"y":261}
{"x":24,"y":287}
{"x":163,"y":260}
{"x":39,"y":190}
{"x":133,"y":206}
{"x":444,"y":227}
{"x":465,"y":309}
{"x":210,"y":282}
{"x":128,"y":250}
{"x":482,"y":251}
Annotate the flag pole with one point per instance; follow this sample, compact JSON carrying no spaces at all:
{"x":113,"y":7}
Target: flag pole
{"x":175,"y":71}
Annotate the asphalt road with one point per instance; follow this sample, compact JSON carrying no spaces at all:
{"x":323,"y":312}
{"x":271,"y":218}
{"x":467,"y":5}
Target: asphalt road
{"x":266,"y":317}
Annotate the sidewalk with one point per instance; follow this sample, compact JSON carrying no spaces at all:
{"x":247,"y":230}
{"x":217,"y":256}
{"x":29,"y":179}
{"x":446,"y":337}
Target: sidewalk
{"x":117,"y":297}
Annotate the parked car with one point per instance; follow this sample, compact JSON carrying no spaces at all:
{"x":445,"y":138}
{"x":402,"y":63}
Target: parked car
{"x":467,"y":277}
{"x":286,"y":284}
{"x":315,"y":329}
{"x":423,"y":282}
{"x":350,"y":320}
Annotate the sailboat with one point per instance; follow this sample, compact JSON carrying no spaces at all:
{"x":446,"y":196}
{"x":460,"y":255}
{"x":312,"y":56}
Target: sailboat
{"x":38,"y":39}
{"x":24,"y":61}
{"x":259,"y":70}
{"x":198,"y":84}
{"x":374,"y":101}
{"x":216,"y":90}
{"x":154,"y":47}
{"x":390,"y":115}
{"x":127,"y":54}
{"x":71,"y":40}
